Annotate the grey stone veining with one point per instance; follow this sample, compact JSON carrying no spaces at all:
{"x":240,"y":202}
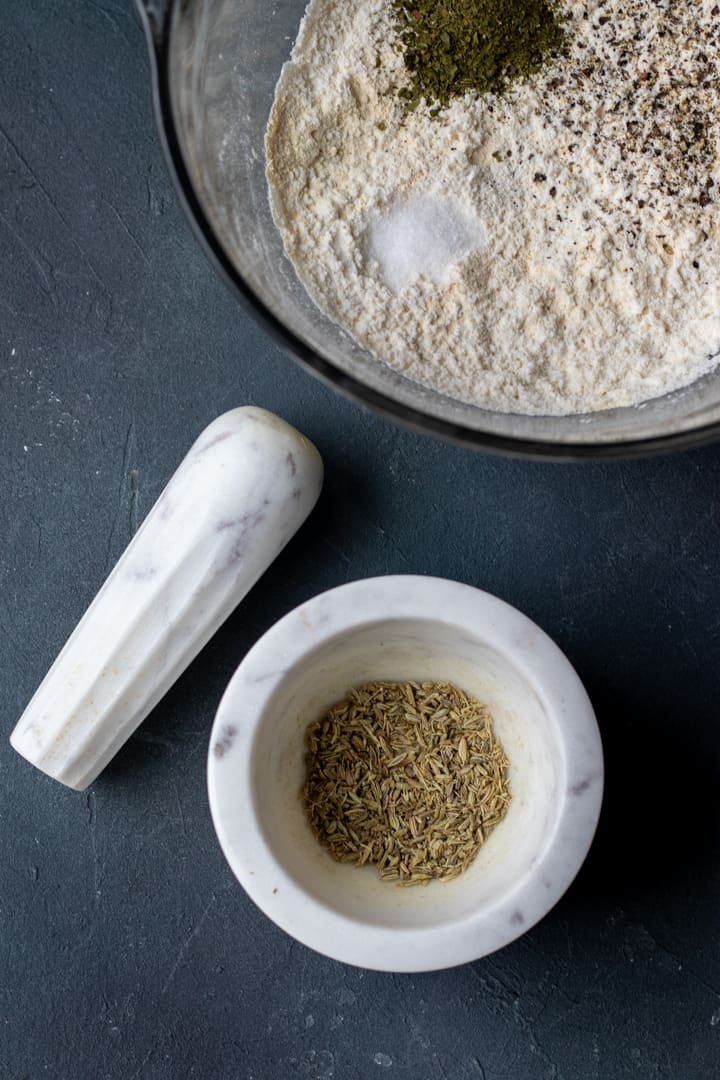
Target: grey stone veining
{"x":243,"y":489}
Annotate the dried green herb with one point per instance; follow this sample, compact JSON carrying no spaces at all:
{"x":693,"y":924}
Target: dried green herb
{"x":452,"y":47}
{"x":407,"y":777}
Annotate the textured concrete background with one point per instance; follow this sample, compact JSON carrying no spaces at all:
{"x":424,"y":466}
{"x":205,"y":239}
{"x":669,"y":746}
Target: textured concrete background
{"x":126,"y":949}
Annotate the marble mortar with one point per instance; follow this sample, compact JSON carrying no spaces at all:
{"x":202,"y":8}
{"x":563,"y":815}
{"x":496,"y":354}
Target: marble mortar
{"x":405,"y":627}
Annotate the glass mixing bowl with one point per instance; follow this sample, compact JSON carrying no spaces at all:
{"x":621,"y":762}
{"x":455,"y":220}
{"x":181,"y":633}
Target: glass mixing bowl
{"x":215,"y":64}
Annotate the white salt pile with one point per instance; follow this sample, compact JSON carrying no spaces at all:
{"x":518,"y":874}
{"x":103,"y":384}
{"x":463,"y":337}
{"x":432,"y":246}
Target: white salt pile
{"x":425,"y":235}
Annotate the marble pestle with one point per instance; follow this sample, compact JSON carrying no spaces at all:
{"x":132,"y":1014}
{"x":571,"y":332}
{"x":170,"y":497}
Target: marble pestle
{"x":244,"y":488}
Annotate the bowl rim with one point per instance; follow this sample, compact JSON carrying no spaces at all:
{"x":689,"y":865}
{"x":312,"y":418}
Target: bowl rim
{"x":230,"y":782}
{"x":157,"y":23}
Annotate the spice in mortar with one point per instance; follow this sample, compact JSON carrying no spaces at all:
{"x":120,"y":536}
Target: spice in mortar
{"x":407,"y":777}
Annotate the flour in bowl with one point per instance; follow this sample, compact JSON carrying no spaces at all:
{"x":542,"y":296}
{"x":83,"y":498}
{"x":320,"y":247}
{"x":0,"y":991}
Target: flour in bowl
{"x":552,"y":250}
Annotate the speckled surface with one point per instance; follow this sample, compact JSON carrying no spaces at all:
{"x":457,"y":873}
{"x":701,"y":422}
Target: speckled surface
{"x":127,"y":950}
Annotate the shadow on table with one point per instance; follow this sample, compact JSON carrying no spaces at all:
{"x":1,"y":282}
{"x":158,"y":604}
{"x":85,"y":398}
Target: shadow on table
{"x":659,"y":820}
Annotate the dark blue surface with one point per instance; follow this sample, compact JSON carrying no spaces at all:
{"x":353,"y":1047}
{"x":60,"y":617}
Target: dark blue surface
{"x":127,"y":951}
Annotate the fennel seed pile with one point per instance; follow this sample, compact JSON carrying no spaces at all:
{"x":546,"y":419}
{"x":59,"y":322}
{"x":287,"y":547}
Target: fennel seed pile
{"x":406,"y":777}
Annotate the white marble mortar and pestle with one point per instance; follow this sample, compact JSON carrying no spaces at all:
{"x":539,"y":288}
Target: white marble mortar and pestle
{"x":244,"y":488}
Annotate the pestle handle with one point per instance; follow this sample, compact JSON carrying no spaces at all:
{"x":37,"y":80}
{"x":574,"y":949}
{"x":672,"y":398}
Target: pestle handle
{"x":244,"y":488}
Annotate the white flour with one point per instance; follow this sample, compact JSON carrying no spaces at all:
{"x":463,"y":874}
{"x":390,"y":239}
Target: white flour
{"x":555,"y":250}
